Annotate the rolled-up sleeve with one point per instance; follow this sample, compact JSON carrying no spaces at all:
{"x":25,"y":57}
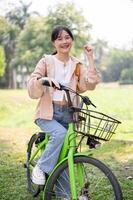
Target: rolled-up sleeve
{"x":35,"y":89}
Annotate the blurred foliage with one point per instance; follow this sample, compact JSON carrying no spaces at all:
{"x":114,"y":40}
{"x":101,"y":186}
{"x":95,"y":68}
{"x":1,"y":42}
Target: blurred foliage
{"x":114,"y":62}
{"x":13,"y":24}
{"x":2,"y":61}
{"x":31,"y":43}
{"x":26,"y":36}
{"x":126,"y":76}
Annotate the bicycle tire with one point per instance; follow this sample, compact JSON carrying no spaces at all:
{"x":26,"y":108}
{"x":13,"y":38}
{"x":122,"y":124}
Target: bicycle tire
{"x":33,"y":189}
{"x":97,"y":191}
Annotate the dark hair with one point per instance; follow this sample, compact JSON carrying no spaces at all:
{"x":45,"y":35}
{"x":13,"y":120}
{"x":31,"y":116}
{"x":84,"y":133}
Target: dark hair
{"x":56,"y":31}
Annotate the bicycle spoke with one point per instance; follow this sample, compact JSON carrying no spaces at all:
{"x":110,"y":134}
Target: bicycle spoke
{"x":99,"y":184}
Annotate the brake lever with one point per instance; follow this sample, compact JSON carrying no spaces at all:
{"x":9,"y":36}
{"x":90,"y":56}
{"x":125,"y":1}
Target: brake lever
{"x":87,"y":101}
{"x":92,"y":104}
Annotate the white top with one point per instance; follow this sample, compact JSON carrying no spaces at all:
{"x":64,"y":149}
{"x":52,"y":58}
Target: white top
{"x":62,"y":75}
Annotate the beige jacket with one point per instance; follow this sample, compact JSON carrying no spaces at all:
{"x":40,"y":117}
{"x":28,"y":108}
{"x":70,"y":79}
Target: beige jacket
{"x":45,"y":67}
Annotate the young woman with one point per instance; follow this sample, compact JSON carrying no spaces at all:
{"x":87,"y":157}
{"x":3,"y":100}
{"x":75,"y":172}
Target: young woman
{"x":52,"y":113}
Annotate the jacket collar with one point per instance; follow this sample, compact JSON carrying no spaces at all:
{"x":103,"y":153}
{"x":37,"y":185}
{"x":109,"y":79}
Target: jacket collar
{"x":51,"y":67}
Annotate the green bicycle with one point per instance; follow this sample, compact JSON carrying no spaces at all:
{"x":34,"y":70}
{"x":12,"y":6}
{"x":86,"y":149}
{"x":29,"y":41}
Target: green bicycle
{"x":77,"y":175}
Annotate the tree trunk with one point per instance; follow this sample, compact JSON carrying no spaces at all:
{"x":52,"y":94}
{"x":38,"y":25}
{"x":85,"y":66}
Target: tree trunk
{"x":12,"y":84}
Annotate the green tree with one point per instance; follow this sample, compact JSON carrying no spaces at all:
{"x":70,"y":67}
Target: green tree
{"x":2,"y":61}
{"x":126,"y":76}
{"x":31,"y":43}
{"x":8,"y":33}
{"x":15,"y":20}
{"x":8,"y":41}
{"x":116,"y":60}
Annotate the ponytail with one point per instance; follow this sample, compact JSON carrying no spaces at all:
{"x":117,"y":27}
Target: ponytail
{"x":54,"y":53}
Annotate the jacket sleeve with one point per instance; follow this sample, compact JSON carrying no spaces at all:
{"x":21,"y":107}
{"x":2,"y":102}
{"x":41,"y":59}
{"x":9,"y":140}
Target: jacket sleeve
{"x":35,"y":89}
{"x":88,"y":79}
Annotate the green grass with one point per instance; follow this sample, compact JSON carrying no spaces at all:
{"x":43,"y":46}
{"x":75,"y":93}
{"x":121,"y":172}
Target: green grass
{"x":16,"y":109}
{"x":116,"y":102}
{"x":16,"y":127}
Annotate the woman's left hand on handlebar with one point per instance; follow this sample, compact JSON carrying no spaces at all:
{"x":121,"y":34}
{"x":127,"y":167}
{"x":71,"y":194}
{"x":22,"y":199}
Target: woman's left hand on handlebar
{"x":50,"y":80}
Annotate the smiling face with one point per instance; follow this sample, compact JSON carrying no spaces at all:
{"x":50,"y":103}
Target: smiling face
{"x":63,"y":43}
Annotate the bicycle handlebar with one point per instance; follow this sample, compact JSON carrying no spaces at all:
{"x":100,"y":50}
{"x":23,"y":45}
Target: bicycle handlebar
{"x":85,"y":99}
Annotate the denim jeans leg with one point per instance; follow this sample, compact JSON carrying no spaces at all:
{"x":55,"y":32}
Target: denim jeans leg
{"x":57,"y":134}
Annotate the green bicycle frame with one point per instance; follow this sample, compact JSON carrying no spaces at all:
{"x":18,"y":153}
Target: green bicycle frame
{"x":68,"y":152}
{"x":40,"y":147}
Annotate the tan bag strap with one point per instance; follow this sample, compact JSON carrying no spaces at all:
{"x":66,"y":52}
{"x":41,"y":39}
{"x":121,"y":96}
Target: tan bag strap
{"x":77,"y":70}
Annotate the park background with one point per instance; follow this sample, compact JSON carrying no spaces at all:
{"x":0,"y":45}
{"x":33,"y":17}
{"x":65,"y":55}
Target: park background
{"x":24,"y":37}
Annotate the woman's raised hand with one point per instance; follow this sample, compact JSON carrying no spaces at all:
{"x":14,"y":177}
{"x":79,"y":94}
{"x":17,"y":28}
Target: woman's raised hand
{"x":88,"y":50}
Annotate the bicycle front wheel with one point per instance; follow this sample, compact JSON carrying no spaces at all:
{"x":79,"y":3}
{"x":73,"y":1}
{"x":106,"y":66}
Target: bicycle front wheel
{"x":99,"y":183}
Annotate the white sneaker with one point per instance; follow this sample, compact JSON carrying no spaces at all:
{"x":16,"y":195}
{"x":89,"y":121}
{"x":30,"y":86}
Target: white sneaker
{"x":38,"y":176}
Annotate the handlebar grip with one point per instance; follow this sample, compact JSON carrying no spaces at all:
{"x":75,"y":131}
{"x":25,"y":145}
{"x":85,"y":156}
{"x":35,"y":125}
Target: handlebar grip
{"x":46,"y":83}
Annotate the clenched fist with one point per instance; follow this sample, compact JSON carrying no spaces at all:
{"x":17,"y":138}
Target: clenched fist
{"x":88,"y":50}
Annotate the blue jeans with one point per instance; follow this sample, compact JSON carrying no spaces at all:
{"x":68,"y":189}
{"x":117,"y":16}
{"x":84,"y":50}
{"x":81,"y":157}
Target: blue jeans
{"x":56,"y":129}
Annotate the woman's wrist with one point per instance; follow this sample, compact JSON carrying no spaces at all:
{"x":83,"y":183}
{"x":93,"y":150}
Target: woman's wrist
{"x":91,"y":63}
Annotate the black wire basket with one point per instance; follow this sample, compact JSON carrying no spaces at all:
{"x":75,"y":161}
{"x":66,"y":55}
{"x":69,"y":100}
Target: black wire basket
{"x":96,"y":124}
